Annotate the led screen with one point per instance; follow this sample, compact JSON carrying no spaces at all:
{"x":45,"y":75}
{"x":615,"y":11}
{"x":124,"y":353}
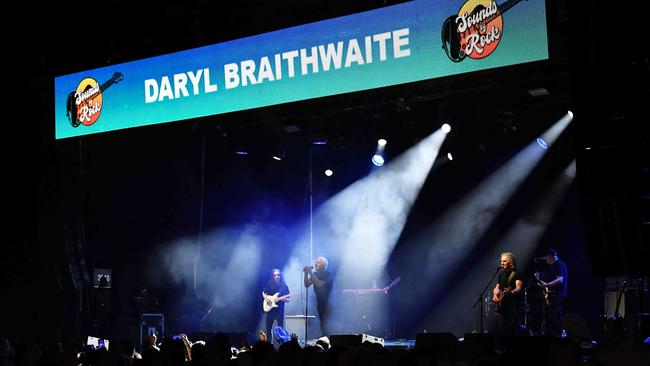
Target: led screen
{"x":414,"y":41}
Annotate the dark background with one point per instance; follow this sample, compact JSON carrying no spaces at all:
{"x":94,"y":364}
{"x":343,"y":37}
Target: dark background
{"x":65,"y":198}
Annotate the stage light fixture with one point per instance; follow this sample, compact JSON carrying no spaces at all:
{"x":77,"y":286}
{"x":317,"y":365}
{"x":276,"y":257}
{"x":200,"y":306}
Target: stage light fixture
{"x":279,"y":153}
{"x":381,"y":142}
{"x":328,"y":172}
{"x":538,"y":92}
{"x":378,"y":160}
{"x":542,"y":143}
{"x":449,"y":156}
{"x":446,"y":128}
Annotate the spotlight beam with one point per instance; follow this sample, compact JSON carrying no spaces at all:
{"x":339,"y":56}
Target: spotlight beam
{"x":358,"y":228}
{"x":456,"y":233}
{"x":521,"y":239}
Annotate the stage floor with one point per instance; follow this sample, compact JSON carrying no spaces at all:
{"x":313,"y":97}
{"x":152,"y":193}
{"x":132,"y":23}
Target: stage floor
{"x":400,"y":344}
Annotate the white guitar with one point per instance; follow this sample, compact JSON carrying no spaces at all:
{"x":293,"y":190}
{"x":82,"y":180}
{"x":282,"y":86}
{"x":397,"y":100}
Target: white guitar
{"x":271,"y":301}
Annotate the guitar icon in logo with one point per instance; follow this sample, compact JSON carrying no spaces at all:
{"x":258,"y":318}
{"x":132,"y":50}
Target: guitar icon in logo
{"x":476,"y":30}
{"x":84,"y":105}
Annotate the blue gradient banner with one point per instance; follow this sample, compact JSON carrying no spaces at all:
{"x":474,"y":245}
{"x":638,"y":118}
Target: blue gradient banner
{"x":414,"y":41}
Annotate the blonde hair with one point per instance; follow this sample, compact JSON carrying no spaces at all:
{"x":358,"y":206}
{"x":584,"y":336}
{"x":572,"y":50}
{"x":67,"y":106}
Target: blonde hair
{"x":324,"y":260}
{"x":511,"y":258}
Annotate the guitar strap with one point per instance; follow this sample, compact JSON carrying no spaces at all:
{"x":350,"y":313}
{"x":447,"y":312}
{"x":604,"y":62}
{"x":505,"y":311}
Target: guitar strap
{"x":512,"y":275}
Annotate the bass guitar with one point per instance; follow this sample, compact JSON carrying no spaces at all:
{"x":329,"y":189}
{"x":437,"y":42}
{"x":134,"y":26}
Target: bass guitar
{"x":546,"y":292}
{"x":271,"y":301}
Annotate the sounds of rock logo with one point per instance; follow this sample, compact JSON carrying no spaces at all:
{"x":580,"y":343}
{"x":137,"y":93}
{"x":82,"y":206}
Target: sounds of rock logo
{"x":476,"y":30}
{"x":84,"y":104}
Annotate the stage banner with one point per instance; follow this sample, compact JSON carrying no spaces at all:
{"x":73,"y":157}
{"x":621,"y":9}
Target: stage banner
{"x":409,"y":42}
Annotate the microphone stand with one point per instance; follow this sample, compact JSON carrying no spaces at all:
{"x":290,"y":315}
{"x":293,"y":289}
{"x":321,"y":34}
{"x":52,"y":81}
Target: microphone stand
{"x":311,"y":229}
{"x":480,"y":301}
{"x":306,"y":309}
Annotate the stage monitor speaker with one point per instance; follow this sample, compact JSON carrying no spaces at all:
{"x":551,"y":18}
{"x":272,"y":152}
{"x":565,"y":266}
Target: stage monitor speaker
{"x":353,"y":340}
{"x":371,"y":339}
{"x":437,"y":341}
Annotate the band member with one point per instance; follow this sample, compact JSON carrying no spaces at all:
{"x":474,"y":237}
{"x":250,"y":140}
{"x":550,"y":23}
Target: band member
{"x":554,"y":280}
{"x":322,"y":281}
{"x":506,"y":295}
{"x":275,"y":293}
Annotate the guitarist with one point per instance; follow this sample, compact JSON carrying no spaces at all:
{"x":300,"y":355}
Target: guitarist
{"x":507,"y":295}
{"x":554,"y":280}
{"x":275,"y":285}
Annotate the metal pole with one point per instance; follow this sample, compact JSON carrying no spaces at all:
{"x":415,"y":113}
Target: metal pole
{"x":311,"y":228}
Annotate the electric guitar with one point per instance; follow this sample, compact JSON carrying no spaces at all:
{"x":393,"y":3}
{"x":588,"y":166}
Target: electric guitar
{"x":546,"y":292}
{"x":271,"y":301}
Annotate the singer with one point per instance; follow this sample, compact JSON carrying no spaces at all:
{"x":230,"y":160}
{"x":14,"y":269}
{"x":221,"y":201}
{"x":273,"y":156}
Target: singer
{"x":507,"y":295}
{"x":322,"y":280}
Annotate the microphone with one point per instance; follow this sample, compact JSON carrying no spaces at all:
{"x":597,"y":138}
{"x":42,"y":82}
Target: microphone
{"x":497,"y":267}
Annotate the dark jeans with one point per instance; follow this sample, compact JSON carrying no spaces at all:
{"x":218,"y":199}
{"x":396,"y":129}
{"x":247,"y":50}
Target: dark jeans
{"x":509,"y":318}
{"x":273,"y":315}
{"x":324,"y":317}
{"x":553,"y":315}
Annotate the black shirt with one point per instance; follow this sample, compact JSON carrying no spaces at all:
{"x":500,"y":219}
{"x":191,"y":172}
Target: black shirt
{"x":508,"y":278}
{"x":323,"y":292}
{"x":553,"y":271}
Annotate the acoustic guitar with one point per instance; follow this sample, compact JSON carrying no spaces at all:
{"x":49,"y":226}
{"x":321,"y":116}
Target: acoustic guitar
{"x":498,"y":300}
{"x":455,"y":40}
